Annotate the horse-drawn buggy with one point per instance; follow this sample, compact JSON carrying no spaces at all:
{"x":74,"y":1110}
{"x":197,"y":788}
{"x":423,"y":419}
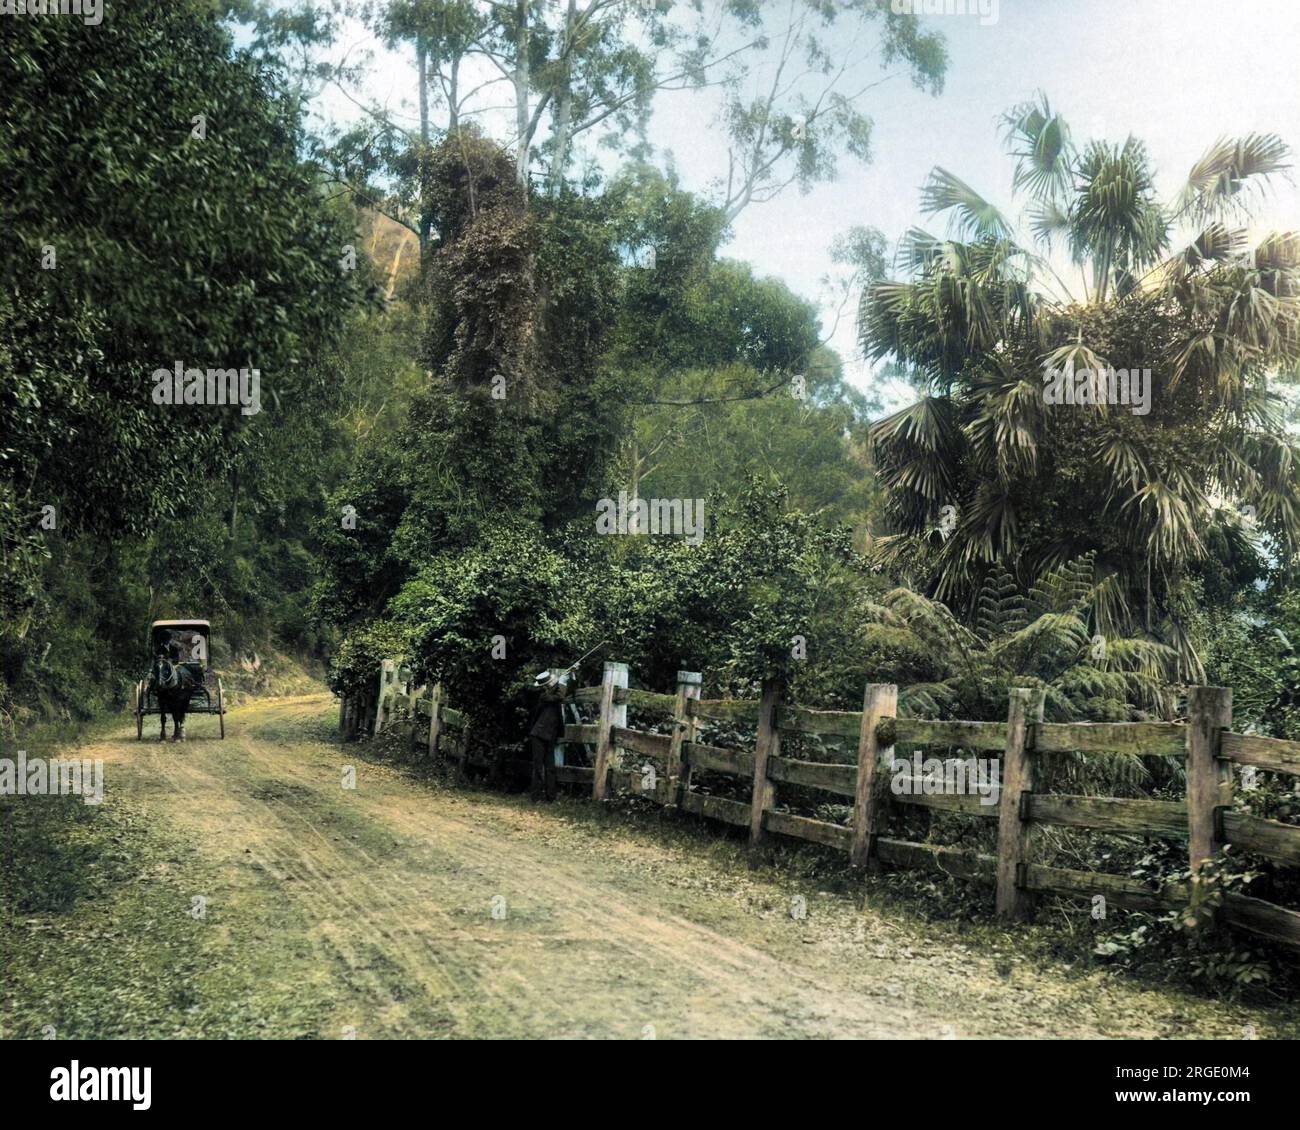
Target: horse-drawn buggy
{"x":180,"y":679}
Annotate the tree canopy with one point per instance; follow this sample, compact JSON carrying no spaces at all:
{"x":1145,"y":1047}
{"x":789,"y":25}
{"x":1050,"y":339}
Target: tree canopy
{"x":1202,"y":479}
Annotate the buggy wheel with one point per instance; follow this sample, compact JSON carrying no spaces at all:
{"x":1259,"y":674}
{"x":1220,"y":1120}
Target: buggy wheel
{"x":139,"y":711}
{"x":221,"y":711}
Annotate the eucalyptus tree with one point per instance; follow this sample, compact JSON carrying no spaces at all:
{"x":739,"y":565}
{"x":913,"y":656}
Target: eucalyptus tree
{"x":793,"y":83}
{"x":989,"y":468}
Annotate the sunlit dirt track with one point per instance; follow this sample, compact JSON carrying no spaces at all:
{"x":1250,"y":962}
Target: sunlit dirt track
{"x":413,"y":908}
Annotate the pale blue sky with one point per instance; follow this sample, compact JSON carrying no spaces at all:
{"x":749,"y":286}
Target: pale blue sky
{"x":1176,"y":73}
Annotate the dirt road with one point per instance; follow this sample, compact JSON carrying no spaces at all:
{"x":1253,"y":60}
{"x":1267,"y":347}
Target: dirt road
{"x":406,"y":907}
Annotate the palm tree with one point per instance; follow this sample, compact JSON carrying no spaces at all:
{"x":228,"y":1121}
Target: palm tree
{"x":983,"y":471}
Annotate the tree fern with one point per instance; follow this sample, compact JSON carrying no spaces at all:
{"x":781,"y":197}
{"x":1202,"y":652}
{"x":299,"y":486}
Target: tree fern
{"x":1046,"y":636}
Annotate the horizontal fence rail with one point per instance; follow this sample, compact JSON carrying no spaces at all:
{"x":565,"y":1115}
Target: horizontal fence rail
{"x":663,"y":767}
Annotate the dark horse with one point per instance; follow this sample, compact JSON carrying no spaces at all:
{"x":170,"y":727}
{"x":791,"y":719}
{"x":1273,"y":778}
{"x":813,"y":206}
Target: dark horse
{"x":174,"y":683}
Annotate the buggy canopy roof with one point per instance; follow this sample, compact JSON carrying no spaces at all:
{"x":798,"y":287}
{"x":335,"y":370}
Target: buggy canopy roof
{"x":182,"y":628}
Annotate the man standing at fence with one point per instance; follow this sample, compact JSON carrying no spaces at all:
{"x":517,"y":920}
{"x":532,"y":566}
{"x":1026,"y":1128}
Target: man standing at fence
{"x":548,"y":725}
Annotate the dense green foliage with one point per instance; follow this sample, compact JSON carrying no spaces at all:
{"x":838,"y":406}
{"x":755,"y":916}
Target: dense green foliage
{"x":1037,"y":637}
{"x":424,"y":474}
{"x":1201,"y":481}
{"x":475,"y":527}
{"x":1253,"y":646}
{"x":137,"y":238}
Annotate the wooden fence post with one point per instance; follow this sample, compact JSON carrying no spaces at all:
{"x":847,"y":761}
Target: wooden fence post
{"x":386,"y":667}
{"x":1024,"y":708}
{"x":879,"y":701}
{"x":684,"y":730}
{"x":1209,"y":780}
{"x":768,"y":744}
{"x":435,"y":722}
{"x":610,"y":715}
{"x":404,"y":703}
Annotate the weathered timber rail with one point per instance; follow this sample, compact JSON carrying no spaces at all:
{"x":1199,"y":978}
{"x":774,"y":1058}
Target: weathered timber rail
{"x":659,"y":767}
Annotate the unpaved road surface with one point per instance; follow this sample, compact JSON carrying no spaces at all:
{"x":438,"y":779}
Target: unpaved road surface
{"x":409,"y":907}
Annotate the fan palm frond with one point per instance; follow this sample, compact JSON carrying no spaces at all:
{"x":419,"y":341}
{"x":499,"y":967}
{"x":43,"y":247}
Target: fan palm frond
{"x":1222,"y":180}
{"x":1171,"y":520}
{"x":1124,"y":460}
{"x":1048,"y":221}
{"x":1040,"y":142}
{"x":973,"y":216}
{"x":918,"y":251}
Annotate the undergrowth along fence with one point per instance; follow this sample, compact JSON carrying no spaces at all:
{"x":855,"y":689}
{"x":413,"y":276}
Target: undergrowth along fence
{"x":663,"y":766}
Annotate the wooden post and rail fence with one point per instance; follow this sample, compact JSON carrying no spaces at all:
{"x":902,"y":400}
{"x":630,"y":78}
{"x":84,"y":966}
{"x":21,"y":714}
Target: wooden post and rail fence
{"x":665,"y":763}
